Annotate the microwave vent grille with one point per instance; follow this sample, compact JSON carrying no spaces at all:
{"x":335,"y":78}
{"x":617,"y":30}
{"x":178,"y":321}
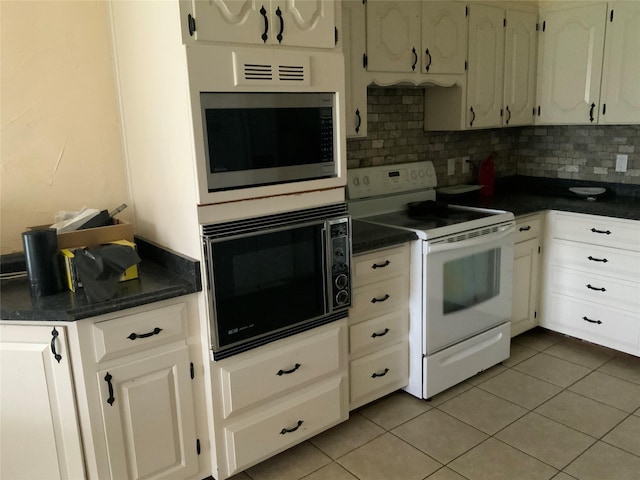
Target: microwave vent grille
{"x":257,"y":224}
{"x":271,"y":68}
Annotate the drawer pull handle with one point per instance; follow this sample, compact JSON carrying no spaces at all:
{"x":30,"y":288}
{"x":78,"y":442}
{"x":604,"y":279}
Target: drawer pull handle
{"x":111,"y":398}
{"x":593,"y":259}
{"x":287,"y":372}
{"x":592,"y":321}
{"x":54,"y":335}
{"x":380,"y":265}
{"x":525,"y":229}
{"x":155,"y":331}
{"x":376,"y":375}
{"x":375,"y":300}
{"x":591,"y":287}
{"x":289,"y":430}
{"x":374,"y":334}
{"x":606,"y":232}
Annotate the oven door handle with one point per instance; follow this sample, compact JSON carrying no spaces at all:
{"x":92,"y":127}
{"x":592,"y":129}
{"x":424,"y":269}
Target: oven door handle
{"x":502,"y":232}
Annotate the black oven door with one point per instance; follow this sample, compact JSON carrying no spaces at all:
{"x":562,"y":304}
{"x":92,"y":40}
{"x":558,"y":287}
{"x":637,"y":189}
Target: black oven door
{"x":267,"y":282}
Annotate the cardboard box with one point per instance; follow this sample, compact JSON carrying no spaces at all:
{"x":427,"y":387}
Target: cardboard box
{"x":92,"y":237}
{"x":71,"y":274}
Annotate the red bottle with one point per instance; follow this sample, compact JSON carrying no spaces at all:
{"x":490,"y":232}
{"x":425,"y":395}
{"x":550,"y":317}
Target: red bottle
{"x":486,"y":176}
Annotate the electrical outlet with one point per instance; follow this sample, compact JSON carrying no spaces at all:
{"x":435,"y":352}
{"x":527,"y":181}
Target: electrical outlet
{"x":466,"y":166}
{"x":621,"y":163}
{"x":451,"y":166}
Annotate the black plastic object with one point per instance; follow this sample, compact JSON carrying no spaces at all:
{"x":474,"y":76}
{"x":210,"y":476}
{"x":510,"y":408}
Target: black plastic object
{"x":43,"y":261}
{"x":100,"y":220}
{"x":99,"y":269}
{"x":426,"y":207}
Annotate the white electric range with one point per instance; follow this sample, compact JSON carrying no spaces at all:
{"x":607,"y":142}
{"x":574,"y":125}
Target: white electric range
{"x":461,"y":273}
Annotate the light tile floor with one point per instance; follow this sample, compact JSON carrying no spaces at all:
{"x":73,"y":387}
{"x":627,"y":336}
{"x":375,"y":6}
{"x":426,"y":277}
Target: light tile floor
{"x":557,"y":408}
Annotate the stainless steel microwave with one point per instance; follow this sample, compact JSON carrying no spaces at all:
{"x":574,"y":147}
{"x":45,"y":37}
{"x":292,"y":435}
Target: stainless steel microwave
{"x":257,"y":139}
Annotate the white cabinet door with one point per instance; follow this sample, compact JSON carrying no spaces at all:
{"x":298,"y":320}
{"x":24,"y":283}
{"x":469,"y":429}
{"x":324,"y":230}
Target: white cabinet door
{"x":303,"y":23}
{"x":620,"y":92}
{"x":525,"y":286}
{"x":355,"y":47}
{"x":444,"y":37}
{"x":519,"y":68}
{"x":570,"y":65}
{"x":39,"y":431}
{"x":147,"y":407}
{"x":393,"y":36}
{"x":486,"y":64}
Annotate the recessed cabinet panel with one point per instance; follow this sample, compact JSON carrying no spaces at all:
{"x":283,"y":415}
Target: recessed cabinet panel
{"x":525,"y":282}
{"x":229,"y":20}
{"x":444,"y":37}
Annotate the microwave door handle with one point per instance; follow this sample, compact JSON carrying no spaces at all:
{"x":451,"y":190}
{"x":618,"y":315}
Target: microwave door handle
{"x":482,"y":240}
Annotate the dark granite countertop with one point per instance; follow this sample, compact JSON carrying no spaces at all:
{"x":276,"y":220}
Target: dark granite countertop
{"x":162,"y":275}
{"x":367,"y":236}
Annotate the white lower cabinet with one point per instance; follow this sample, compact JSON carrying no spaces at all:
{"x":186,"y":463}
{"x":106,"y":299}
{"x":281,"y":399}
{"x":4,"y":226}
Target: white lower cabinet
{"x":39,"y":425}
{"x":379,"y":325}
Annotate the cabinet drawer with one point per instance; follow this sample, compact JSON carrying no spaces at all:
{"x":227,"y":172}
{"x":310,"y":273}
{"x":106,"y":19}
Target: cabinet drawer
{"x":376,"y":266}
{"x":293,"y":420}
{"x":598,"y":260}
{"x":382,"y":372}
{"x":124,"y":335}
{"x":379,"y":298}
{"x":253,"y":377}
{"x":594,"y":323}
{"x":379,"y":331}
{"x":527,"y":228}
{"x":598,"y":230}
{"x":596,"y":288}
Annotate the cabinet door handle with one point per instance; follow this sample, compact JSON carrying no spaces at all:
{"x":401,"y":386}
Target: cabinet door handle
{"x":593,"y":105}
{"x":376,"y":300}
{"x":375,"y":334}
{"x":279,"y":14}
{"x":473,"y":118}
{"x":264,"y":36}
{"x":591,"y":287}
{"x":54,"y":335}
{"x":287,"y":372}
{"x":111,"y":399}
{"x":289,"y":430}
{"x":359,"y":121}
{"x":508,"y":116}
{"x":592,"y":321}
{"x":415,"y":59}
{"x":604,"y":232}
{"x":593,"y":259}
{"x":155,"y":331}
{"x":525,"y":229}
{"x":376,"y":375}
{"x":381,"y":265}
{"x":429,"y":59}
{"x":191,"y":23}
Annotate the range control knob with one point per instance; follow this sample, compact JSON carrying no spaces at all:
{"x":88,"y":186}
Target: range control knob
{"x":338,"y":254}
{"x":341,"y":281}
{"x":342,"y":298}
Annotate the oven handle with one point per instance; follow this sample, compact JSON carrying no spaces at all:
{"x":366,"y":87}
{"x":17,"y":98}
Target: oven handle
{"x":502,"y":232}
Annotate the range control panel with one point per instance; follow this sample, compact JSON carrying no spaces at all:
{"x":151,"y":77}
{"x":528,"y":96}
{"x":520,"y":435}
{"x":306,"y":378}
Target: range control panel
{"x":386,"y":179}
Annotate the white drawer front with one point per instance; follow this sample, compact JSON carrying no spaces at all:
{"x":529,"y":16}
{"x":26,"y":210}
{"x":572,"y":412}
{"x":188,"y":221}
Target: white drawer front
{"x":124,"y":335}
{"x":295,"y":419}
{"x":527,"y":228}
{"x":376,"y":266}
{"x":251,"y":378}
{"x":598,"y":230}
{"x":596,"y":288}
{"x":597,"y":260}
{"x":594,"y":323}
{"x":379,"y":298}
{"x":379,"y":371}
{"x":379,"y":331}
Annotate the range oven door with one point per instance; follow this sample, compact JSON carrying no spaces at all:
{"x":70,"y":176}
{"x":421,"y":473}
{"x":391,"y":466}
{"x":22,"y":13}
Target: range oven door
{"x":467,"y":286}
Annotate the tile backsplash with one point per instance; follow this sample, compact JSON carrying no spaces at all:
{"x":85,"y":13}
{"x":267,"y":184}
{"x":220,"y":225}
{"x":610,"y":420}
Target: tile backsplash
{"x":396,"y":135}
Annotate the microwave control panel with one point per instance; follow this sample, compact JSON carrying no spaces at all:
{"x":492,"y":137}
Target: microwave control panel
{"x":340,"y":252}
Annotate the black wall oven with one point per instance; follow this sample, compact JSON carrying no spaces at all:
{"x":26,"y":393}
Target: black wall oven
{"x":274,"y":276}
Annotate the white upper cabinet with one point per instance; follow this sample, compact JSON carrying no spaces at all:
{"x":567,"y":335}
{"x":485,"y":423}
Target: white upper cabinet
{"x":570,"y":64}
{"x":444,"y":37}
{"x":519,"y":68}
{"x":299,"y":23}
{"x":620,"y":91}
{"x":486,"y":64}
{"x":356,"y":80}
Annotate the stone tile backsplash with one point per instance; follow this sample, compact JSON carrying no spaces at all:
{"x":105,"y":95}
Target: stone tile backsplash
{"x":395,"y":135}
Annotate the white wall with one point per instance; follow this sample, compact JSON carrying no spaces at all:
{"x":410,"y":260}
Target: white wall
{"x":61,"y":144}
